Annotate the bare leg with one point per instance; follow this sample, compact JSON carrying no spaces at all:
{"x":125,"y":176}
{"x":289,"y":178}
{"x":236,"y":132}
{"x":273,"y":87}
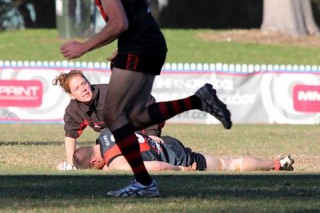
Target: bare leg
{"x":123,"y":90}
{"x":239,"y":164}
{"x":128,"y":93}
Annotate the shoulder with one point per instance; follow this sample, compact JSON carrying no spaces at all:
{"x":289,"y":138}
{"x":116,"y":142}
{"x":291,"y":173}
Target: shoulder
{"x":119,"y":163}
{"x":72,"y":106}
{"x":73,"y":111}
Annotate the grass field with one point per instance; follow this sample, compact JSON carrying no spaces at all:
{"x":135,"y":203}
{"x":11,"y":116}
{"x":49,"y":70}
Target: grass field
{"x":30,"y":182}
{"x":185,"y":46}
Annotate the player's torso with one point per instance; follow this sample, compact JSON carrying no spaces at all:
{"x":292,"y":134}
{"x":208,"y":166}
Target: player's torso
{"x":144,"y":35}
{"x":79,"y":115}
{"x":111,"y":150}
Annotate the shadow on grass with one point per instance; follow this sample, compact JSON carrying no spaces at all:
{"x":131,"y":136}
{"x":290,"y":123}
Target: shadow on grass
{"x":224,"y":186}
{"x":38,"y":143}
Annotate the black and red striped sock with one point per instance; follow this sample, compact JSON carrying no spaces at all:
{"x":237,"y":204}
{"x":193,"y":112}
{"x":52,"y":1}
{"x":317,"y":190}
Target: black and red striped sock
{"x":129,"y":146}
{"x":162,"y":111}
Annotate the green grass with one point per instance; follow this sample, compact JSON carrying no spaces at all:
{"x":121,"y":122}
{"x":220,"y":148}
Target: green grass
{"x":30,"y":182}
{"x":185,"y":46}
{"x":181,"y":193}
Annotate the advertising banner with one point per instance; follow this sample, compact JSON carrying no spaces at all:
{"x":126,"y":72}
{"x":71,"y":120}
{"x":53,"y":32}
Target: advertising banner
{"x":260,"y":95}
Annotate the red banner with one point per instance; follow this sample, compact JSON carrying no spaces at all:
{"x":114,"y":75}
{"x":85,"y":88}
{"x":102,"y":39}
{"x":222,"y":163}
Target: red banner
{"x":21,"y":93}
{"x":306,"y":98}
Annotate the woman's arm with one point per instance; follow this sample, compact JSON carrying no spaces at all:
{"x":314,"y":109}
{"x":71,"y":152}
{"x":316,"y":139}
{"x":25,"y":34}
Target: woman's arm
{"x":70,"y":146}
{"x":117,"y":23}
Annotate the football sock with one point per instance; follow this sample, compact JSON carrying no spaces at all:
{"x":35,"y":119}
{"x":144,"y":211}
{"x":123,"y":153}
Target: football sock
{"x":128,"y":144}
{"x":162,"y":111}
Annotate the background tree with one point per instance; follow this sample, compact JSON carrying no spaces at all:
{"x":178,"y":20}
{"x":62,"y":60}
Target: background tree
{"x":293,"y":17}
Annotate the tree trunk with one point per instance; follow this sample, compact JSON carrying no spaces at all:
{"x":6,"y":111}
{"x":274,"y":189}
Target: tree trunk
{"x":293,"y":17}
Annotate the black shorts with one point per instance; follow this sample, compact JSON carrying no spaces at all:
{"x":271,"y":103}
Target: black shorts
{"x":145,"y":63}
{"x":177,"y":154}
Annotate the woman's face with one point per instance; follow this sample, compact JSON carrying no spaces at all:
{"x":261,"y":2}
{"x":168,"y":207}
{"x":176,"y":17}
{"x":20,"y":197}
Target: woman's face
{"x":80,"y":89}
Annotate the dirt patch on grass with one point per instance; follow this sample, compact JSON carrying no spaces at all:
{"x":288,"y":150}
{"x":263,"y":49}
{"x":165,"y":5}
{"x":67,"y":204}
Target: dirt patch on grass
{"x":259,"y":37}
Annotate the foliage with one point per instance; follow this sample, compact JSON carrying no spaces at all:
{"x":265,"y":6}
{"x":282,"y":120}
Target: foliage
{"x":10,"y":18}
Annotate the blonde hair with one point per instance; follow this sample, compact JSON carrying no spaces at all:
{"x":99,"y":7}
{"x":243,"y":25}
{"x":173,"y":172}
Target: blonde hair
{"x":64,"y":78}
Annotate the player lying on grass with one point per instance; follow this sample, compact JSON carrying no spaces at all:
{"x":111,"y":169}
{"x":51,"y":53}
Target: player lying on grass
{"x":86,"y":106}
{"x":169,"y":155}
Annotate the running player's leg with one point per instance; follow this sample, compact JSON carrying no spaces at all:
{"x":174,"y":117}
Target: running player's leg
{"x":205,"y":99}
{"x":124,"y":86}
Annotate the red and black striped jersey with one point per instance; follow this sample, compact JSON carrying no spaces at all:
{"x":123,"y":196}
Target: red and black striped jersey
{"x":143,"y":35}
{"x":171,"y":151}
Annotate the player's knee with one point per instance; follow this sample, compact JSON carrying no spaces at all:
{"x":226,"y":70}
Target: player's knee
{"x":235,"y":164}
{"x":135,"y":117}
{"x":220,"y":164}
{"x":134,"y":121}
{"x":108,"y":116}
{"x":113,"y":118}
